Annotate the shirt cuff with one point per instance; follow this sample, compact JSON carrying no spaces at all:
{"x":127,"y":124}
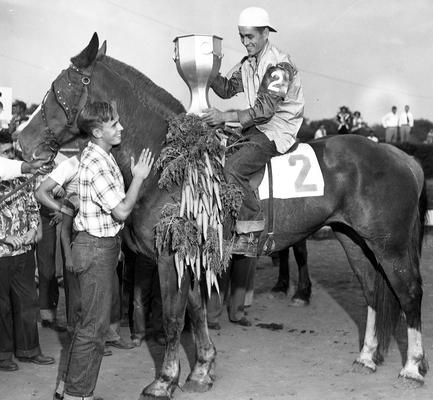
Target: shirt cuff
{"x":245,"y":118}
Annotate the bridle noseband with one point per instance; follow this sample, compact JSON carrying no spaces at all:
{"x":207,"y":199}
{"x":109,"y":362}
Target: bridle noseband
{"x":63,"y":89}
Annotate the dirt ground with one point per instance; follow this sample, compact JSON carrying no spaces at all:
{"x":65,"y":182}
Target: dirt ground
{"x":309,"y":358}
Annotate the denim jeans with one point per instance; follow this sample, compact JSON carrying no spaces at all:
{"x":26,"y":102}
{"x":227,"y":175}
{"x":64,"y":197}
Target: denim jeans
{"x":240,"y":167}
{"x":18,"y":307}
{"x":94,"y":262}
{"x":46,"y":261}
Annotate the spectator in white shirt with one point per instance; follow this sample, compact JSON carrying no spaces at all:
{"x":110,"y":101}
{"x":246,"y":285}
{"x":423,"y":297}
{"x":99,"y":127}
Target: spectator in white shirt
{"x":321,"y":132}
{"x":405,"y":122}
{"x":390,"y":123}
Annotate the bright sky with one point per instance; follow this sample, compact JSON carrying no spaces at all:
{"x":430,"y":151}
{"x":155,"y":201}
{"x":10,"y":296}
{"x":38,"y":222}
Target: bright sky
{"x":366,"y":54}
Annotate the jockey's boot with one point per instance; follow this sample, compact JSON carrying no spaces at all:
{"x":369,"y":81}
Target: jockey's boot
{"x":246,"y":244}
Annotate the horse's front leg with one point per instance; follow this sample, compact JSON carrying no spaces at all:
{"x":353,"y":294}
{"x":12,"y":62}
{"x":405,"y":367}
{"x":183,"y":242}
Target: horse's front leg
{"x":174,"y":301}
{"x":202,"y":375}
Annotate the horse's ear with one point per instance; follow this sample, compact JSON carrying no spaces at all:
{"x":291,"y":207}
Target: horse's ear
{"x":102,"y":50}
{"x":88,"y":55}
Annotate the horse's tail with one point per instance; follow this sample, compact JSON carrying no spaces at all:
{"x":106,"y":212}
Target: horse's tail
{"x":386,"y":304}
{"x":421,"y":220}
{"x":388,"y":311}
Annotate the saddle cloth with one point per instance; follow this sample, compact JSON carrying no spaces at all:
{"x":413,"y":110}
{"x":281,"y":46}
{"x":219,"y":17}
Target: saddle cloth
{"x":294,"y":174}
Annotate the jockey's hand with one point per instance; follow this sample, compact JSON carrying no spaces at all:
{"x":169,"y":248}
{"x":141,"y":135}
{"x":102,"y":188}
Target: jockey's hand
{"x":37,"y":167}
{"x":213,"y":116}
{"x":144,"y":164}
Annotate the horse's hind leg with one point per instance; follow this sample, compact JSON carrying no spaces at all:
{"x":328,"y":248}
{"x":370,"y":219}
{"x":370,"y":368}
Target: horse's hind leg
{"x":365,"y":272}
{"x":202,"y":375}
{"x":303,"y":290}
{"x":403,"y":274}
{"x":174,"y":301}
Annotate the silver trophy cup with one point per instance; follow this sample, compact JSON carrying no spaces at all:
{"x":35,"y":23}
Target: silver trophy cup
{"x":198,"y":60}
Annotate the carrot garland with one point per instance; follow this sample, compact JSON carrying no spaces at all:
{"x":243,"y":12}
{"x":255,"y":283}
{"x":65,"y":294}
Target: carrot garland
{"x":192,"y":228}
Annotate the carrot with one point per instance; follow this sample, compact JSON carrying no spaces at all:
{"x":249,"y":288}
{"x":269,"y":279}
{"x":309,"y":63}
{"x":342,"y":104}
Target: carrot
{"x":205,"y":225}
{"x":195,"y":205}
{"x":195,"y":175}
{"x":220,"y":237}
{"x":182,"y":203}
{"x":216,"y":190}
{"x":204,"y":184}
{"x":197,"y":267}
{"x":208,"y":281}
{"x":208,"y":163}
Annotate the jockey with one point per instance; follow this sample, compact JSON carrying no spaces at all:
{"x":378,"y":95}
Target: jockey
{"x":274,"y":93}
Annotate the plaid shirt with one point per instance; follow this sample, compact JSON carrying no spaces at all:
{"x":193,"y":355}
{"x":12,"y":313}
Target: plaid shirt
{"x":100,"y":189}
{"x":18,"y":214}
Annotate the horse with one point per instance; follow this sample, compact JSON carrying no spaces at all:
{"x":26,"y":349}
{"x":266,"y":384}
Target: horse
{"x":374,"y":200}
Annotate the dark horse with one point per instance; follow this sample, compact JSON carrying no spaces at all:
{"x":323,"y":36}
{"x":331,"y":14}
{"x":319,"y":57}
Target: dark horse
{"x":373,"y":200}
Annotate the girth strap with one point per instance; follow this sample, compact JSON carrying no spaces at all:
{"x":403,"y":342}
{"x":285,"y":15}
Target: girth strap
{"x":269,"y":245}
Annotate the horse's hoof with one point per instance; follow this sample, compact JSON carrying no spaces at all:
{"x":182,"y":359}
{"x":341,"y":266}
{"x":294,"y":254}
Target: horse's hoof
{"x":193,"y":386}
{"x":409,"y":381}
{"x":298,"y":302}
{"x":364,"y":367}
{"x":280,"y":287}
{"x":159,"y":389}
{"x":152,"y":397}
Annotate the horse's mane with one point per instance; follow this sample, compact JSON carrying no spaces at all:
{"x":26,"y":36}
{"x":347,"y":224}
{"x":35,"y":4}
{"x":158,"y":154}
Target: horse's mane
{"x":150,"y":94}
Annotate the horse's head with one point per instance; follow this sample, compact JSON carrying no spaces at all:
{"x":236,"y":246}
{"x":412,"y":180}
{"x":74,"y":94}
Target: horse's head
{"x":54,"y":121}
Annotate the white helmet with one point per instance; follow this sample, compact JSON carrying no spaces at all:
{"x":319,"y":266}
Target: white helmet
{"x":255,"y":16}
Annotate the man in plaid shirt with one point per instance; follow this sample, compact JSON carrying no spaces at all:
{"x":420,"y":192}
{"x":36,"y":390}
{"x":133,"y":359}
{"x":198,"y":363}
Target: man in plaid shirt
{"x":103,"y":206}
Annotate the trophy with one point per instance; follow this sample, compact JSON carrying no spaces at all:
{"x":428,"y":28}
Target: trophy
{"x":198,"y":60}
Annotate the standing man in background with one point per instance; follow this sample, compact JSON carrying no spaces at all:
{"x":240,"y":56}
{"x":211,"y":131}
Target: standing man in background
{"x":390,"y":123}
{"x":405,"y":123}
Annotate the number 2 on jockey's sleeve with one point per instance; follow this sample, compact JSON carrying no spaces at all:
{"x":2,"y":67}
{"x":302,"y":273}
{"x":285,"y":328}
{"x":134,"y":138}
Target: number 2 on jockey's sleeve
{"x":276,"y":81}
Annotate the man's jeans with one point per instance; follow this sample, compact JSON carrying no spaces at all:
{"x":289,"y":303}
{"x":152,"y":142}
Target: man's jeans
{"x":95,"y":261}
{"x":18,"y":307}
{"x":46,"y":261}
{"x":240,"y":167}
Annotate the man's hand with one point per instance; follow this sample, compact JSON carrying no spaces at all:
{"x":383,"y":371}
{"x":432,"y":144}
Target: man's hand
{"x":213,"y":116}
{"x":37,"y":167}
{"x":14,"y":241}
{"x":144,"y":164}
{"x":30,"y":236}
{"x":56,"y":217}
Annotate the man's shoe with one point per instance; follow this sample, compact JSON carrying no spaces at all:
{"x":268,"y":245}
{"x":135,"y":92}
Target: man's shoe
{"x":120,"y":344}
{"x":8,"y":365}
{"x":107,"y":352}
{"x":39,"y":359}
{"x":53,"y":325}
{"x":243,"y":322}
{"x":246,"y":244}
{"x":214,"y":326}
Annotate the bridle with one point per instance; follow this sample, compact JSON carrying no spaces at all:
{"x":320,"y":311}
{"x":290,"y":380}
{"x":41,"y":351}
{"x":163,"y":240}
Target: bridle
{"x":62,"y":88}
{"x":61,"y":95}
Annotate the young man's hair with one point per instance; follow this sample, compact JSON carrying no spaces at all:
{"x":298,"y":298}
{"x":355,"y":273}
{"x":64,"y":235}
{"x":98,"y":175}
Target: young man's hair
{"x":94,"y":115}
{"x":5,"y":137}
